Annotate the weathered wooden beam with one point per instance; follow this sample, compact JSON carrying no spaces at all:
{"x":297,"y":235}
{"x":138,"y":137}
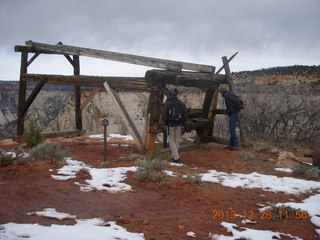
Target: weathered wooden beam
{"x":64,"y":133}
{"x":120,"y":57}
{"x":186,"y":79}
{"x":197,"y":123}
{"x":154,"y":110}
{"x":89,"y":98}
{"x":126,"y":118}
{"x":32,"y":96}
{"x":22,"y":94}
{"x":229,"y":60}
{"x":33,"y":58}
{"x":69,"y":59}
{"x":134,"y":83}
{"x":77,"y":94}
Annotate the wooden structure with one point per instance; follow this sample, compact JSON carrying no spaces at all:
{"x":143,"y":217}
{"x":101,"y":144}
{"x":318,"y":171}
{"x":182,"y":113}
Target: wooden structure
{"x":155,"y":82}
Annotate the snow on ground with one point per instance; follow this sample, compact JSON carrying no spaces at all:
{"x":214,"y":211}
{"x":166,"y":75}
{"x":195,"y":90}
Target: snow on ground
{"x":113,"y":135}
{"x":271,"y":183}
{"x":108,"y":179}
{"x":93,"y":229}
{"x":248,"y":233}
{"x":288,"y":170}
{"x":311,"y":205}
{"x":52,"y":213}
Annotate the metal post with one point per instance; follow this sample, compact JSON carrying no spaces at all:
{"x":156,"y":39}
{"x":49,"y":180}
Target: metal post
{"x":105,"y":124}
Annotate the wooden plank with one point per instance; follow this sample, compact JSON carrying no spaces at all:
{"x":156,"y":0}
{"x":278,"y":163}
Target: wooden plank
{"x":33,"y":58}
{"x":69,"y":59}
{"x":126,"y":118}
{"x":121,"y":57}
{"x":70,"y":133}
{"x":22,"y":94}
{"x":154,"y":111}
{"x":32,"y":96}
{"x":133,"y":83}
{"x":186,"y":79}
{"x":77,"y":94}
{"x":89,"y":98}
{"x":207,"y":101}
{"x":229,"y":60}
{"x":231,"y":88}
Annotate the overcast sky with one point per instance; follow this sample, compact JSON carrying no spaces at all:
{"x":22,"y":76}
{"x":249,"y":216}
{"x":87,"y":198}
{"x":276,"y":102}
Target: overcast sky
{"x":266,"y":33}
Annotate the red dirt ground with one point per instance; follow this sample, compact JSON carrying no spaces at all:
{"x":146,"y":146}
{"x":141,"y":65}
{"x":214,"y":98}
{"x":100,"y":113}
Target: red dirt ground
{"x":166,"y":211}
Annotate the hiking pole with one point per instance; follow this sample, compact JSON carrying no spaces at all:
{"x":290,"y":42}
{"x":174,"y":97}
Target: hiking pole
{"x":104,"y":124}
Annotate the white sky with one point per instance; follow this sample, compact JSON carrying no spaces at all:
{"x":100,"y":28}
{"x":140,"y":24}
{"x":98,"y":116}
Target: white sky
{"x":266,"y":33}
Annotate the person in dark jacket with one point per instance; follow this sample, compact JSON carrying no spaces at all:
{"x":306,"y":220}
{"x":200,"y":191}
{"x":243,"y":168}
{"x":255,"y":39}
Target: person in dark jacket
{"x":174,"y":117}
{"x":232,"y":108}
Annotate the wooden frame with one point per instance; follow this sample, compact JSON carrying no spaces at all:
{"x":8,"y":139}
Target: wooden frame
{"x":154,"y":81}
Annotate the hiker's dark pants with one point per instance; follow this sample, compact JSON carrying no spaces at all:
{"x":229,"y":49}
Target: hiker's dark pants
{"x":233,"y":119}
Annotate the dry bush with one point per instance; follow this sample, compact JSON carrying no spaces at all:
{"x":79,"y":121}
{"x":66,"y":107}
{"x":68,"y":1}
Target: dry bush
{"x":281,"y":112}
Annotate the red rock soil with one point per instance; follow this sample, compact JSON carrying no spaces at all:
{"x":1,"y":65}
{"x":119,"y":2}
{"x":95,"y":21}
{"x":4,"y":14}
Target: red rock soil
{"x":161,"y":211}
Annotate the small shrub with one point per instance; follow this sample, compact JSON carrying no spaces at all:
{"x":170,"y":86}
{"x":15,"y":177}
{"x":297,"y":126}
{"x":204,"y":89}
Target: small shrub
{"x":279,"y":212}
{"x":247,"y":156}
{"x":135,"y":156}
{"x":195,"y":179}
{"x":32,"y":136}
{"x":306,"y":171}
{"x":51,"y":152}
{"x":157,"y":154}
{"x":150,"y":170}
{"x":151,"y":166}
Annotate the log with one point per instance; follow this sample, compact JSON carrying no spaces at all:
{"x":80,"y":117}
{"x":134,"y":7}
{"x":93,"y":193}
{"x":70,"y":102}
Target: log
{"x":77,"y":94}
{"x":186,"y":79}
{"x":133,"y":83}
{"x":120,"y":57}
{"x":126,"y":118}
{"x":89,"y":98}
{"x":22,"y":94}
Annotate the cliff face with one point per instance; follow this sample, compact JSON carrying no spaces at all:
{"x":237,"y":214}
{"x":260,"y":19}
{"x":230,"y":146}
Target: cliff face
{"x":53,"y":108}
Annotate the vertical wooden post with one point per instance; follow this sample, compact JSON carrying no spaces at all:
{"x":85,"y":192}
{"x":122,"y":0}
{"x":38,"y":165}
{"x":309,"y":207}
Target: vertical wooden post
{"x":231,"y":88}
{"x":77,"y":93}
{"x":154,"y":110}
{"x":22,"y":94}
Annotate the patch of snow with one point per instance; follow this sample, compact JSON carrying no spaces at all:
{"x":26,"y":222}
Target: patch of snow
{"x":288,"y":170}
{"x":191,"y":234}
{"x":310,"y":204}
{"x":271,"y":183}
{"x":247,"y":233}
{"x":52,"y":213}
{"x":108,"y":179}
{"x":176,"y":164}
{"x":93,"y":229}
{"x":112,"y":135}
{"x":248,"y":221}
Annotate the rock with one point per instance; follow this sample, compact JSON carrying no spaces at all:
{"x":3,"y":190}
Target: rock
{"x":145,"y":222}
{"x":287,"y":160}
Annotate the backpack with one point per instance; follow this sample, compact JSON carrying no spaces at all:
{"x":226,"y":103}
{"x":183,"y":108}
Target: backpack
{"x":243,"y":102}
{"x":175,"y":113}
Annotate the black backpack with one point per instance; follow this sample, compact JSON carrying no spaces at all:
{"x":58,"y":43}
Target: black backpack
{"x":175,"y":113}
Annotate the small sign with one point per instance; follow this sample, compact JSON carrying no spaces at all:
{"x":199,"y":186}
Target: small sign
{"x":105,"y":122}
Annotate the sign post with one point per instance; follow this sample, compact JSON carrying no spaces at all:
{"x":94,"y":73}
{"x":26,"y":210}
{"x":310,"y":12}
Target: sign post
{"x":105,"y":123}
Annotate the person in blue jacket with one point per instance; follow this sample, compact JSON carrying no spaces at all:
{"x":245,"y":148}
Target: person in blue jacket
{"x":232,"y":108}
